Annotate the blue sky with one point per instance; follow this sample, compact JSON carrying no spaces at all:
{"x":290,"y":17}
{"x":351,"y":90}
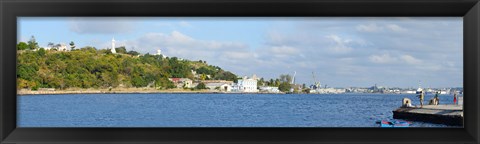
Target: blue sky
{"x":341,"y":51}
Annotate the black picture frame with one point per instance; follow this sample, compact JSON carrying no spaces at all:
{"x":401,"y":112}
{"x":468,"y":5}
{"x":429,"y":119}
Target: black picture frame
{"x":10,"y":10}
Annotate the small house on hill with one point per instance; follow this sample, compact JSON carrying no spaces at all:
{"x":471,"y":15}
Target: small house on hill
{"x":219,"y":86}
{"x":182,"y":82}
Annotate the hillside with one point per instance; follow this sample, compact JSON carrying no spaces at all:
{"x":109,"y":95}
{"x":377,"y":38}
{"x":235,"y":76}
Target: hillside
{"x":91,"y":68}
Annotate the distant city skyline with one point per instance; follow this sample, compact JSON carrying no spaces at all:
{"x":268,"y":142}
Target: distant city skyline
{"x":341,"y":51}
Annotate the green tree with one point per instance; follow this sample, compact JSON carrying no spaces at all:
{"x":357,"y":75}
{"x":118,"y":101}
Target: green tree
{"x":27,"y":71}
{"x":32,"y":43}
{"x":164,"y":83}
{"x":284,"y":87}
{"x":286,"y":78}
{"x":41,"y":52}
{"x":138,"y":81}
{"x":133,"y":53}
{"x":206,"y":70}
{"x":121,"y":49}
{"x":22,"y":46}
{"x":203,"y":76}
{"x":92,"y":68}
{"x":277,"y":82}
{"x":201,"y":86}
{"x":260,"y":82}
{"x":52,"y":46}
{"x":225,"y":75}
{"x":72,"y":45}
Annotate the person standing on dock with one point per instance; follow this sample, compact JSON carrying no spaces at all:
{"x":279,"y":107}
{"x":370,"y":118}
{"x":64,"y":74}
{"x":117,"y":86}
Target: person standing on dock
{"x":437,"y":100}
{"x":421,"y":96}
{"x":455,"y":97}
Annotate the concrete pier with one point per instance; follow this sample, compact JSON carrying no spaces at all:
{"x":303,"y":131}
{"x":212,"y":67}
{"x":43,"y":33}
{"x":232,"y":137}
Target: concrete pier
{"x":440,"y":114}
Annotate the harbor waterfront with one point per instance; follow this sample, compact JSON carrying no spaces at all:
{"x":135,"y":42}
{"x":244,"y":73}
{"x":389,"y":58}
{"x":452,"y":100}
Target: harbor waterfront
{"x":443,"y":114}
{"x":212,"y":110}
{"x":238,"y":72}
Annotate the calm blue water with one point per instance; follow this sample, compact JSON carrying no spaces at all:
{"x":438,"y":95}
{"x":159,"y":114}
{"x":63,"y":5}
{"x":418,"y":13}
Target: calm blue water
{"x":211,"y":110}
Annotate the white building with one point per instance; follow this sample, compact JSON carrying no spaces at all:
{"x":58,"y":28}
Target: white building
{"x":246,"y":84}
{"x":182,"y":82}
{"x":219,"y":87}
{"x":58,"y":47}
{"x":269,"y":89}
{"x":408,"y":92}
{"x":62,"y":47}
{"x":159,"y":52}
{"x":113,"y":46}
{"x":328,"y":90}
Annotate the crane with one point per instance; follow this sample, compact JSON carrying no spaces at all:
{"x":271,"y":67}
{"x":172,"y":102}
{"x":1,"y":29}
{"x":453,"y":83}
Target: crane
{"x":293,"y":82}
{"x":293,"y":79}
{"x":315,"y":82}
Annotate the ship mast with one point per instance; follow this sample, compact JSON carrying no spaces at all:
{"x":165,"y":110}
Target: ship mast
{"x":293,"y":79}
{"x":315,"y":82}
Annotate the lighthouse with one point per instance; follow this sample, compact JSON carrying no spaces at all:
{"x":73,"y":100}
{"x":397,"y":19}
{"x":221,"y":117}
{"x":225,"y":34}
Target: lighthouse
{"x":113,"y":46}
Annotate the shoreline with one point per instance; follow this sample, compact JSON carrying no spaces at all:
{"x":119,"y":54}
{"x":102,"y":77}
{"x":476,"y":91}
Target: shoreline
{"x":142,"y":91}
{"x":136,"y":91}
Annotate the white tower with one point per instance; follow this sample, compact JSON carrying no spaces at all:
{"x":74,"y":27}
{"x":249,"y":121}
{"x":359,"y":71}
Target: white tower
{"x":113,"y":46}
{"x":159,"y":52}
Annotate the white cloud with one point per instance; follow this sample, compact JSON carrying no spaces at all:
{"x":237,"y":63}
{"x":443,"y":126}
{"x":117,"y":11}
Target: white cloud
{"x":174,"y":38}
{"x":185,"y":24}
{"x":340,"y":45}
{"x":386,"y":58}
{"x":287,"y":50}
{"x":237,"y":55}
{"x":430,"y":67}
{"x":174,"y":25}
{"x":382,"y":59}
{"x":164,"y":24}
{"x":230,"y":55}
{"x":410,"y":59}
{"x":395,"y":28}
{"x":180,"y":38}
{"x":177,"y":44}
{"x":279,"y":53}
{"x":100,"y":25}
{"x":276,"y":38}
{"x":372,"y":27}
{"x":366,"y":50}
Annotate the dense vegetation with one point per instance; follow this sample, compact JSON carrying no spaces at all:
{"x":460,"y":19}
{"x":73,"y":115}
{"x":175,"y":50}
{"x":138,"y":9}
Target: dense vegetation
{"x":88,"y":67}
{"x":283,"y":82}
